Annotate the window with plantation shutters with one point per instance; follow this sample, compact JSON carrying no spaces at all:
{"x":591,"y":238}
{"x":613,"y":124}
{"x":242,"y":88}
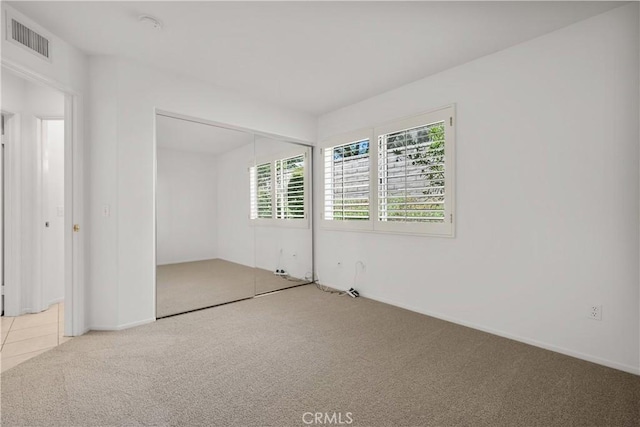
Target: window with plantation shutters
{"x":261,"y":191}
{"x":402,"y":182}
{"x":279,"y":187}
{"x":290,"y":187}
{"x":411,"y":175}
{"x":347,"y":169}
{"x":414,"y":176}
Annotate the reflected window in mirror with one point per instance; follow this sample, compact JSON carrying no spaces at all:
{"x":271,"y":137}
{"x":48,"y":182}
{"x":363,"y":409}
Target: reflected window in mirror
{"x":279,"y":189}
{"x":290,"y":188}
{"x":260,"y":180}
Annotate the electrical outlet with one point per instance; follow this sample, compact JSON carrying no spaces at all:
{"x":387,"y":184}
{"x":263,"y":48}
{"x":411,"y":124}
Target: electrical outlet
{"x":595,"y":312}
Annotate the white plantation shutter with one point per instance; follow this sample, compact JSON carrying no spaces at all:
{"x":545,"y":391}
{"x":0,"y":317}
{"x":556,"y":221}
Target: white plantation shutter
{"x":290,"y":188}
{"x":261,"y":191}
{"x":253,"y":199}
{"x":397,"y":177}
{"x":415,"y":174}
{"x":347,"y":169}
{"x":411,"y":175}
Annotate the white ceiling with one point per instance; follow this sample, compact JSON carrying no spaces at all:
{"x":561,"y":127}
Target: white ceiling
{"x":308,"y":56}
{"x":185,"y":135}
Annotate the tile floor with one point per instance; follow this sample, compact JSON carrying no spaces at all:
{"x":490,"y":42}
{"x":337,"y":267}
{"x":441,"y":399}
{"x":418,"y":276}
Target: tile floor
{"x":26,"y":336}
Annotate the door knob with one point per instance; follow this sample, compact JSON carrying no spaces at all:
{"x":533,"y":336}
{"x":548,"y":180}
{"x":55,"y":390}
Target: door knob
{"x":76,"y":228}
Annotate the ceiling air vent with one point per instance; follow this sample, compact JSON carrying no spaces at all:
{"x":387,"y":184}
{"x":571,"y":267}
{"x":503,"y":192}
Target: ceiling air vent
{"x":28,"y":38}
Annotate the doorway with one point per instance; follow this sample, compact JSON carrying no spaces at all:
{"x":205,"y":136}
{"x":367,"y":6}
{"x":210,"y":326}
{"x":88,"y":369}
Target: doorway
{"x":34,"y":200}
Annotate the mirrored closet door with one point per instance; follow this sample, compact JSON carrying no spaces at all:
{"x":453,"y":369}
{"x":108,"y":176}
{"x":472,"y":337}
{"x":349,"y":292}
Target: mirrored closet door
{"x":281,"y":214}
{"x":232,"y":215}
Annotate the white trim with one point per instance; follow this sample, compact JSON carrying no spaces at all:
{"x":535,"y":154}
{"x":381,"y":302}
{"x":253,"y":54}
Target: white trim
{"x":34,"y":77}
{"x":134,"y":324}
{"x":74,"y":242}
{"x":154,"y":219}
{"x":55,"y":301}
{"x":122,"y":327}
{"x":268,"y":135}
{"x":184,"y":261}
{"x":39,"y":219}
{"x":12,"y":217}
{"x":579,"y":355}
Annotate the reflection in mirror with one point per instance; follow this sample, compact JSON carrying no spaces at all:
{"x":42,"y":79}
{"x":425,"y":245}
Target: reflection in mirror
{"x":205,"y":245}
{"x":280,"y":214}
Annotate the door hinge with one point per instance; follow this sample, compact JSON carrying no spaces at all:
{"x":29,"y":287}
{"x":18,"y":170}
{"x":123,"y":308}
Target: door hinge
{"x":451,"y":121}
{"x":451,"y":218}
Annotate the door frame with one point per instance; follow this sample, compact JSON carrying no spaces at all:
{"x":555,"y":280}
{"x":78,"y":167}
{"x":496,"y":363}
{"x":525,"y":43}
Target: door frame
{"x":12,"y":250}
{"x":74,"y":320}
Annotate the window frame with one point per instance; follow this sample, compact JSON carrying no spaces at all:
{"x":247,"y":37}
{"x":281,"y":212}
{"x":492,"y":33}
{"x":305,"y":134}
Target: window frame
{"x":445,"y":114}
{"x":330,"y":143}
{"x":272,"y":159}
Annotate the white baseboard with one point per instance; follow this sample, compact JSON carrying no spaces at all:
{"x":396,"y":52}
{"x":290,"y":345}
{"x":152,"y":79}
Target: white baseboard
{"x":121,"y":327}
{"x":182,"y":261}
{"x":84,"y":331}
{"x":56,"y":301}
{"x":30,"y":310}
{"x":579,"y":355}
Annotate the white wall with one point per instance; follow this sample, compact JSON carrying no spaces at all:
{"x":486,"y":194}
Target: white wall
{"x":296,"y":245}
{"x":127,"y":94}
{"x":236,"y":240}
{"x":68,"y":69}
{"x":29,"y":101}
{"x":102,"y":301}
{"x":187,"y":199}
{"x":547,"y":196}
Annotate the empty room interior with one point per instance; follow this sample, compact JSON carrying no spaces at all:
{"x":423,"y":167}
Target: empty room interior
{"x":267,"y":213}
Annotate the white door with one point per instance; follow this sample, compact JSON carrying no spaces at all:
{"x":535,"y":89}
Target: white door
{"x":53,"y":211}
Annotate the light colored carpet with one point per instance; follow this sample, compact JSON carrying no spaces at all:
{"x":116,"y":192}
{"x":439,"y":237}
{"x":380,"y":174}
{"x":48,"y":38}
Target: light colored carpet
{"x":193,"y":285}
{"x":266,"y":361}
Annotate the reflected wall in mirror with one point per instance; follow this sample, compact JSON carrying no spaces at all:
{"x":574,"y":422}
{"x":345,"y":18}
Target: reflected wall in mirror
{"x":280,"y":214}
{"x":205,"y":250}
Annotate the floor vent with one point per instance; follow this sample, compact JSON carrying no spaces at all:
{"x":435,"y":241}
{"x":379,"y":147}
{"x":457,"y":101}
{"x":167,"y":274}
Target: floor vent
{"x":24,"y":35}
